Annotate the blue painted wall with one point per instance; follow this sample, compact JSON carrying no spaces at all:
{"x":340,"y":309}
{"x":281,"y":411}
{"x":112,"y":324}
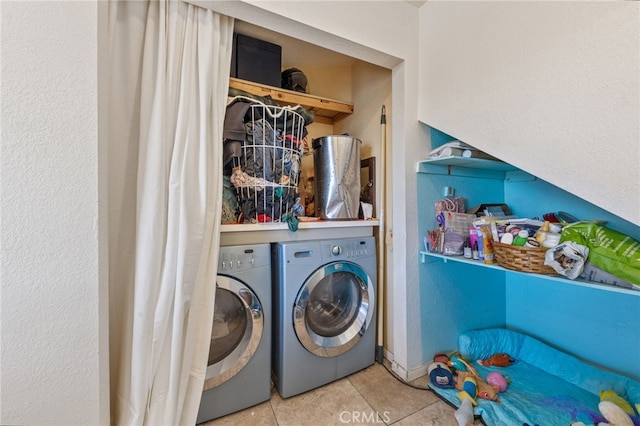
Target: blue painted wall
{"x":601,"y":327}
{"x":456,"y":297}
{"x":530,"y":196}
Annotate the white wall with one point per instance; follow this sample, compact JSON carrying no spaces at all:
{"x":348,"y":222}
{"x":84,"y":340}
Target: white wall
{"x":551,"y":87}
{"x":52,"y":264}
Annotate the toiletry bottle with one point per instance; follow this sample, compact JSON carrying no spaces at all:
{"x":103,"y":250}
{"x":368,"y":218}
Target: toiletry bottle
{"x":467,"y":249}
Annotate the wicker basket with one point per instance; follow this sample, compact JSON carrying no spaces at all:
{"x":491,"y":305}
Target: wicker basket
{"x":522,"y":259}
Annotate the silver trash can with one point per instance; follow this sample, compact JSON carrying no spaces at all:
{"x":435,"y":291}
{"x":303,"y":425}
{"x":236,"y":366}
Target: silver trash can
{"x":337,"y":175}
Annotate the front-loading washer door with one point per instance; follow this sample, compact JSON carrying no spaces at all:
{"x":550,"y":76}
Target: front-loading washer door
{"x":238,"y":322}
{"x":333,"y":308}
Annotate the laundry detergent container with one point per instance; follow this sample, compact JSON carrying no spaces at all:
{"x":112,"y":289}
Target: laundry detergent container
{"x":337,"y":175}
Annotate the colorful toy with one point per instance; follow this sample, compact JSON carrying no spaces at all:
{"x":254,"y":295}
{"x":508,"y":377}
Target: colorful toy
{"x":469,"y":390}
{"x":612,"y":396}
{"x":459,"y":364}
{"x":614,"y":414}
{"x":498,"y":360}
{"x":497,"y":380}
{"x":441,"y":357}
{"x":482,"y":389}
{"x":440,"y":375}
{"x":464,"y":414}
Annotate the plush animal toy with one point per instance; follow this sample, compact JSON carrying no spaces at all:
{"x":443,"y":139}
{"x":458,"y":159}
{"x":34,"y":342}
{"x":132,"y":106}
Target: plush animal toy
{"x":612,"y":396}
{"x":469,"y":390}
{"x":614,"y":414}
{"x":498,"y":360}
{"x":464,"y":414}
{"x":498,"y":381}
{"x":483,"y":389}
{"x":459,"y":364}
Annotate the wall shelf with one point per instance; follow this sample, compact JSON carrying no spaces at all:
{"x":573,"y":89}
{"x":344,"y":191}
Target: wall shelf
{"x":424,"y":255}
{"x":325,"y":110}
{"x":463,"y":166}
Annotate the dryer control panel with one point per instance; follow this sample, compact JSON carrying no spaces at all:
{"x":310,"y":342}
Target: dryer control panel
{"x":348,"y":249}
{"x":243,"y":258}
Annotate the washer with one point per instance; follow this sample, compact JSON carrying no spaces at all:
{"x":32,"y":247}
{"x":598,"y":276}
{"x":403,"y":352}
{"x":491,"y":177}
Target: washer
{"x":324,"y":311}
{"x":238,"y":372}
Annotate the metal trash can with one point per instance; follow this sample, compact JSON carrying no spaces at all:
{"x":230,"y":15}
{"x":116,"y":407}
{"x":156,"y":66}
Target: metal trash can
{"x":337,"y":175}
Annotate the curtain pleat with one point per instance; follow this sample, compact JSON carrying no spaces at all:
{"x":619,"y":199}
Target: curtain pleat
{"x":183,"y":83}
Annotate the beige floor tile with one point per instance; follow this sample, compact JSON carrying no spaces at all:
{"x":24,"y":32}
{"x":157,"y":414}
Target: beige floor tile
{"x":258,"y":415}
{"x":422,"y":382}
{"x":372,"y":396}
{"x":387,"y":394}
{"x":436,"y":414}
{"x":337,"y":403}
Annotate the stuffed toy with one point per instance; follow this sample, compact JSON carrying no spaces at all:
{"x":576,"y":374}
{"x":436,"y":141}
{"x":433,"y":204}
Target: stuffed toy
{"x":459,"y":364}
{"x":440,"y":375}
{"x":612,"y":396}
{"x":614,"y":414}
{"x":464,"y":414}
{"x":482,"y":389}
{"x":498,"y":360}
{"x":498,"y":381}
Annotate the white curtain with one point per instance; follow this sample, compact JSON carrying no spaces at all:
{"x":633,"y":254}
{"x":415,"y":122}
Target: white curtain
{"x":169,"y":69}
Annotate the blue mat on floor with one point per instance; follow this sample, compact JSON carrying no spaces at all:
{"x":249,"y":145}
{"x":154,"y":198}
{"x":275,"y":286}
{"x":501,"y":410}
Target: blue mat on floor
{"x":548,"y":387}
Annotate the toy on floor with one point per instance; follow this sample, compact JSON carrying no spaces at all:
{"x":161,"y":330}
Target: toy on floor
{"x":614,"y":414}
{"x":440,"y":375}
{"x":612,"y":396}
{"x":464,"y":414}
{"x":482,"y":389}
{"x":459,"y":364}
{"x":498,"y":360}
{"x":441,"y":357}
{"x":468,"y":390}
{"x":497,"y":380}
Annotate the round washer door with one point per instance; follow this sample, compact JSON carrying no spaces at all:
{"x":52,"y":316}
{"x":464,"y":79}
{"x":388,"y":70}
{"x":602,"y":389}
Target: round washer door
{"x":334,"y":308}
{"x":238,"y":321}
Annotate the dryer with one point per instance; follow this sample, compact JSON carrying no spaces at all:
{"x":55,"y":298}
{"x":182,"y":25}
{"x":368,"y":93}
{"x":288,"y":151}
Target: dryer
{"x":324,"y":311}
{"x":238,"y":371}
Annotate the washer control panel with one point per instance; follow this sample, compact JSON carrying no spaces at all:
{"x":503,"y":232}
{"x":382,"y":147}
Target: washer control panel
{"x":347,"y":249}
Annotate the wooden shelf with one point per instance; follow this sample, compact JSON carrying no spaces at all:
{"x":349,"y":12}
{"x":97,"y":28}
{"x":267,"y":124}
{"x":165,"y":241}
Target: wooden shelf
{"x":258,"y":233}
{"x":325,"y":110}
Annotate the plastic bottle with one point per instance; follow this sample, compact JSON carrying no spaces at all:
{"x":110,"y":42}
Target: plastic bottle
{"x":521,"y":239}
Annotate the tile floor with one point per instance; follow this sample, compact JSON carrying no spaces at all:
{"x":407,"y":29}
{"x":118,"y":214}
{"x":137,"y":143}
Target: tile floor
{"x":372,"y":396}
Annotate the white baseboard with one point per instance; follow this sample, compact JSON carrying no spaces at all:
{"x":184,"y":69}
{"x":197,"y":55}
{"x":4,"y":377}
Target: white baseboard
{"x":417,"y":372}
{"x":401,"y":372}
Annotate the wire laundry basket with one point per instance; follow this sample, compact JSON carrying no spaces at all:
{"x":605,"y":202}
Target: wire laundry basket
{"x":267,"y":180}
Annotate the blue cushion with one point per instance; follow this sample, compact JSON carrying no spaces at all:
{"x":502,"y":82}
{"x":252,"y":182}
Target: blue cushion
{"x":548,"y":386}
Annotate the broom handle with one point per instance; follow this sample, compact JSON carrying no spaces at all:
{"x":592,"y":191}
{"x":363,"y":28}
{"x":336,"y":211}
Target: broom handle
{"x":382,"y":237}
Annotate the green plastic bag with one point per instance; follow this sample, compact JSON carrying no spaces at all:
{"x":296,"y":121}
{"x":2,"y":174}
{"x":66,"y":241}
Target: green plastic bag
{"x":609,"y":250}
